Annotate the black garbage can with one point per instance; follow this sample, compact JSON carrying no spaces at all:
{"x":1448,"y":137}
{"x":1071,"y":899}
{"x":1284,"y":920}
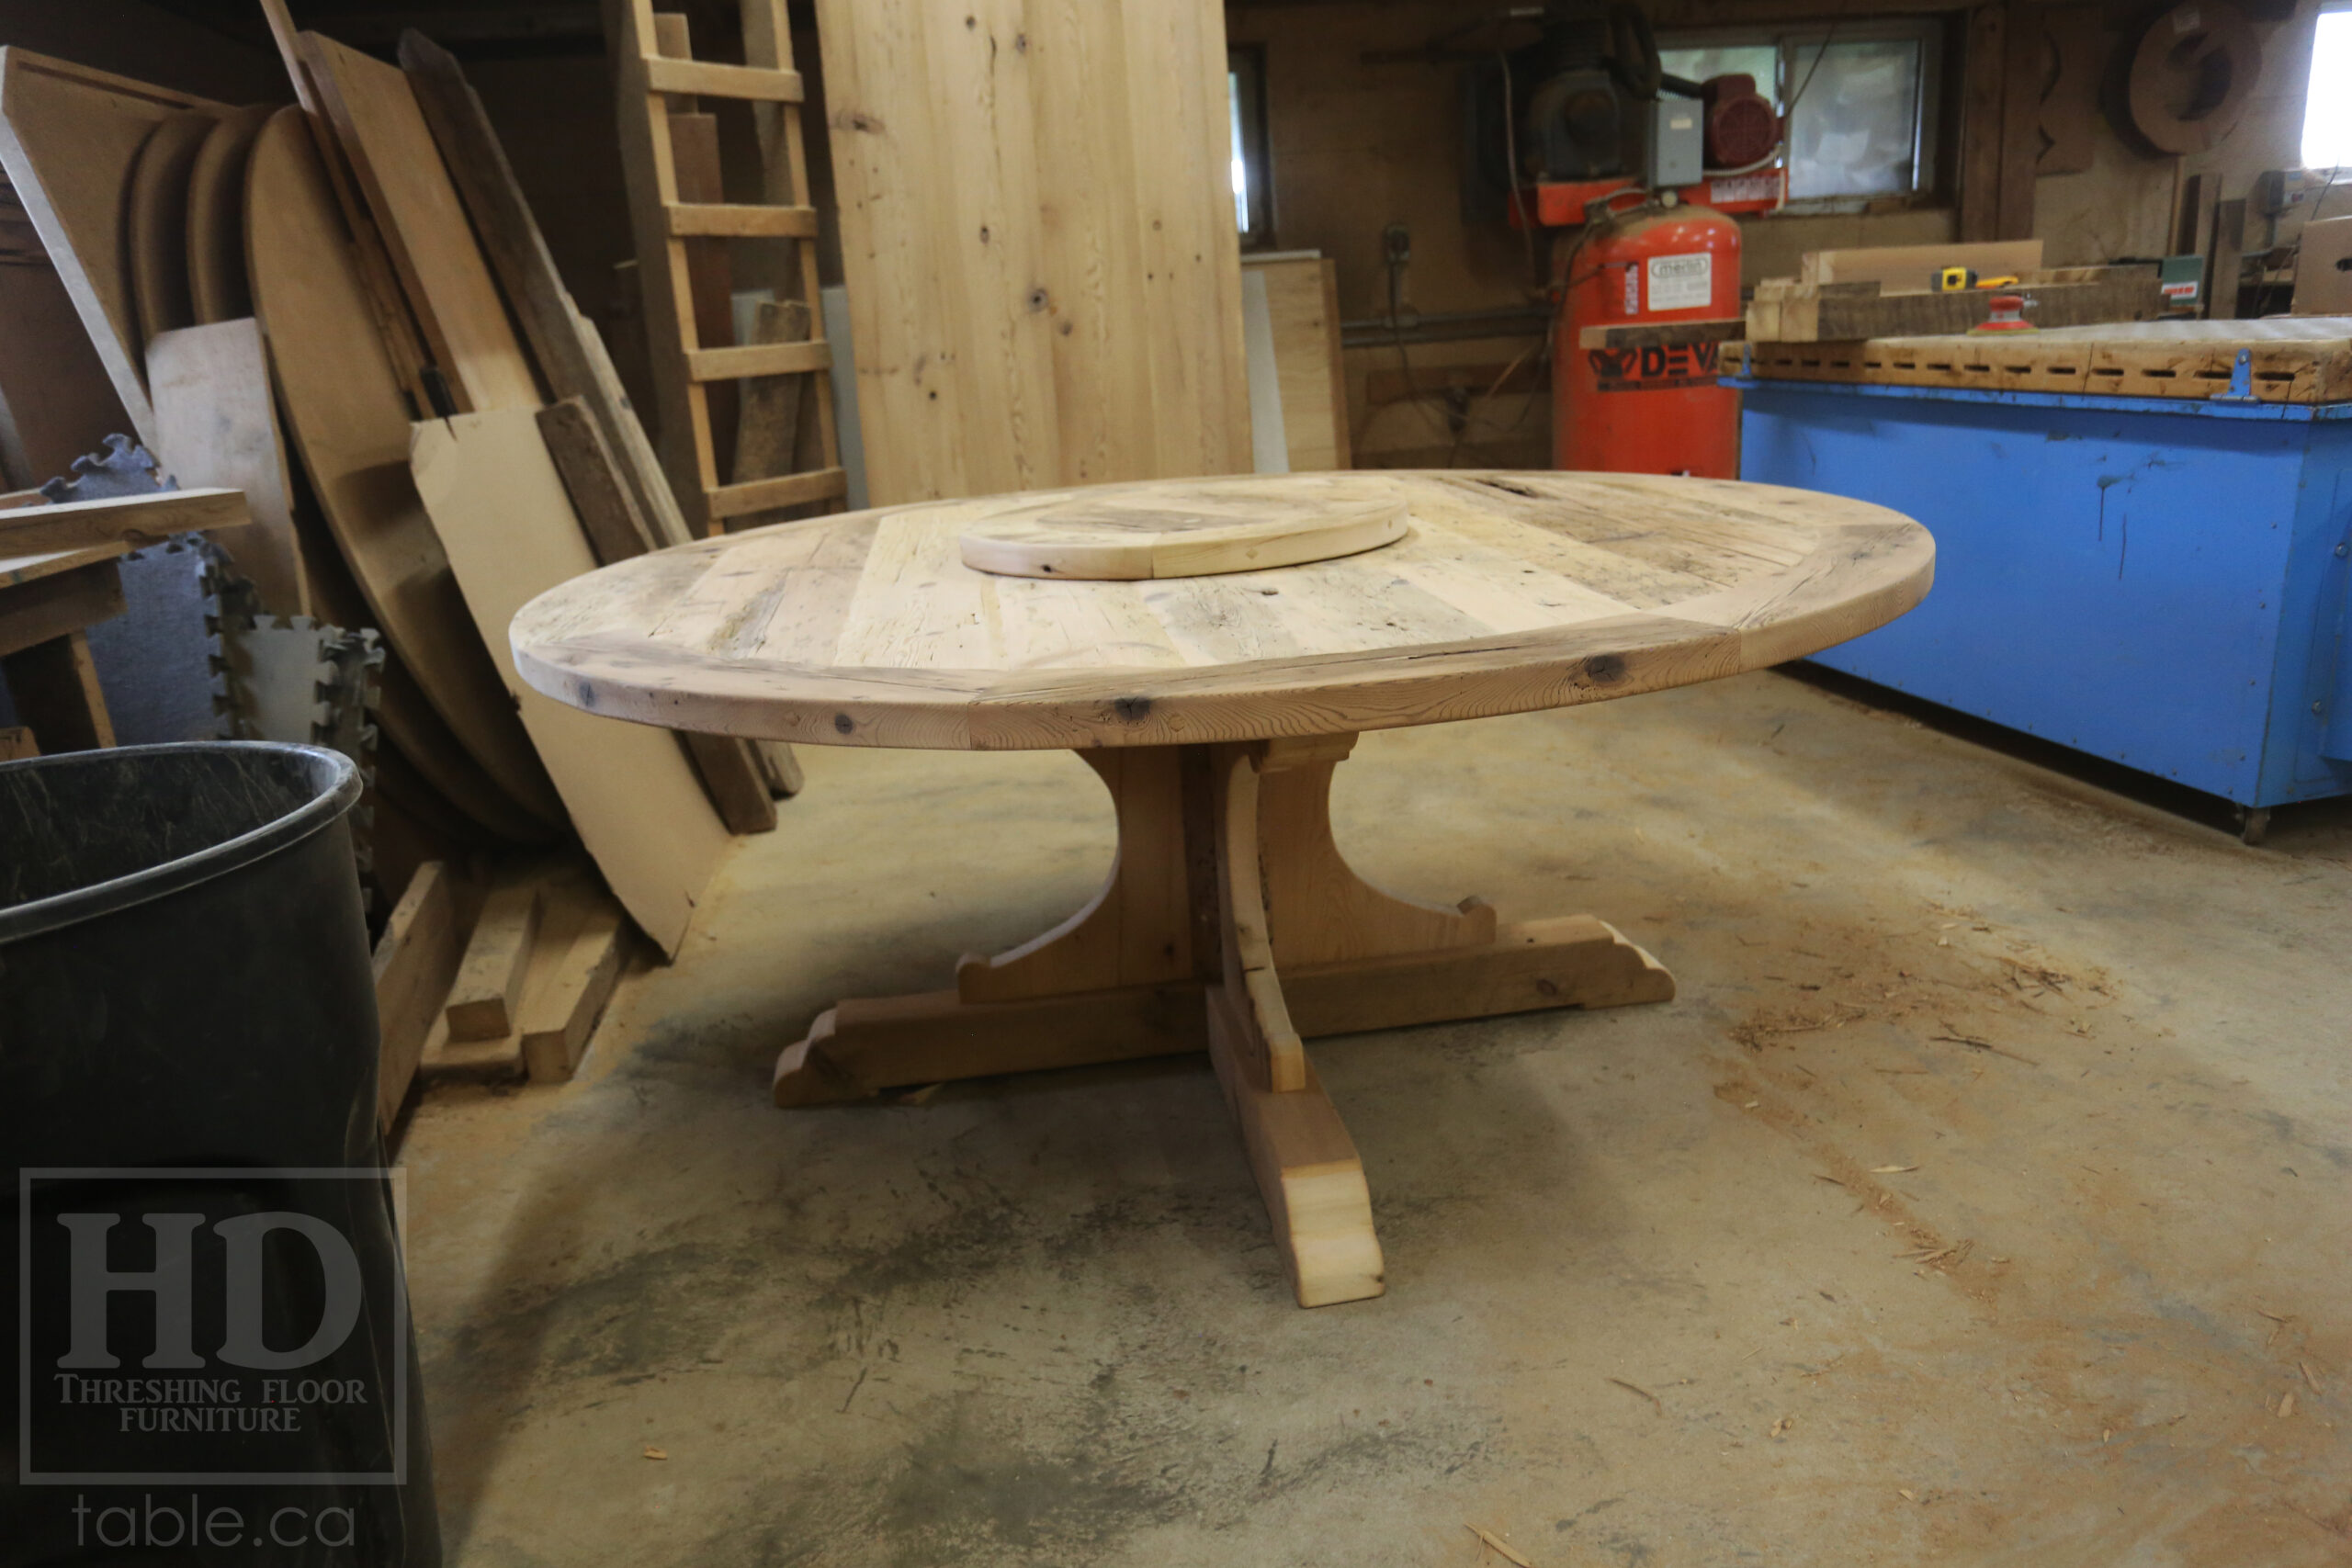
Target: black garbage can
{"x":206,"y":1349}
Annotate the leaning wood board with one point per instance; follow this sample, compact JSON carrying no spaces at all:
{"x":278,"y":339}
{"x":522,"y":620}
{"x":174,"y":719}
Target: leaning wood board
{"x":568,"y":351}
{"x":351,"y":426}
{"x":215,"y":218}
{"x":1509,"y":593}
{"x":1303,"y":307}
{"x":635,"y":799}
{"x":155,"y":223}
{"x":423,"y":224}
{"x":571,"y":357}
{"x":1038,"y":242}
{"x":215,"y":425}
{"x":2303,"y":359}
{"x":69,"y":138}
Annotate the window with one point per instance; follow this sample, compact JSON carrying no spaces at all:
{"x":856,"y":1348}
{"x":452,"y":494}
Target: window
{"x":1858,"y":102}
{"x":2327,"y":111}
{"x":1253,"y":191}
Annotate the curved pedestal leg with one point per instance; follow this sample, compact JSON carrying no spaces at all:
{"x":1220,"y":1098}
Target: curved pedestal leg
{"x":1230,"y":923}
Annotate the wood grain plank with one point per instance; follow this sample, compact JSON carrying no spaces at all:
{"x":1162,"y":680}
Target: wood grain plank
{"x":398,"y":168}
{"x":1041,"y":289}
{"x":566,"y":346}
{"x":705,"y":77}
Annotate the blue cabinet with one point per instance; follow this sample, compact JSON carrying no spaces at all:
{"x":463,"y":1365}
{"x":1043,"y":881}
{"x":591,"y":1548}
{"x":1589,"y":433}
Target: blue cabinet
{"x":2160,"y":581}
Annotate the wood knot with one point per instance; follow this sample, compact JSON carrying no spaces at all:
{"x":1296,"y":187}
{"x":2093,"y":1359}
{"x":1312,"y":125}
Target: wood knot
{"x":1131,"y":709}
{"x":842,"y":723}
{"x":1604,"y":669}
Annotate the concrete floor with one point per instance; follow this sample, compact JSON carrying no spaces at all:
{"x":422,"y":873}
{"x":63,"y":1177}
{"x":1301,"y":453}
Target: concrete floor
{"x":1984,"y":1199}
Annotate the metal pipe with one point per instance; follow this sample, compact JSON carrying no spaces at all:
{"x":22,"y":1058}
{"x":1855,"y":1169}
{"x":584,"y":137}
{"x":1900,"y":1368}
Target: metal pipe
{"x":1445,"y":326}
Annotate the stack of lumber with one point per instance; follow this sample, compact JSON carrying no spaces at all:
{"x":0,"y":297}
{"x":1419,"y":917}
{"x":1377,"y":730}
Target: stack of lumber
{"x":489,"y":985}
{"x":355,"y":264}
{"x":1889,"y":292}
{"x":1884,"y":291}
{"x":2293,"y":360}
{"x":1787,"y":309}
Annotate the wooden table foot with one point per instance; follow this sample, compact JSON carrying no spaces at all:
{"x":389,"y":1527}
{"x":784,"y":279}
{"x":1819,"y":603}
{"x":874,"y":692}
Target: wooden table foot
{"x":1308,"y":1173}
{"x":1231,"y":924}
{"x":862,"y":1046}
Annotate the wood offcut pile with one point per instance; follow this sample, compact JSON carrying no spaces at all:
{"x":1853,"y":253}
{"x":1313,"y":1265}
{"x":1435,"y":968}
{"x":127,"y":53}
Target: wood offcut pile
{"x":2292,"y":359}
{"x":2100,"y":331}
{"x":336,"y":328}
{"x":1874,"y":317}
{"x":1889,"y":292}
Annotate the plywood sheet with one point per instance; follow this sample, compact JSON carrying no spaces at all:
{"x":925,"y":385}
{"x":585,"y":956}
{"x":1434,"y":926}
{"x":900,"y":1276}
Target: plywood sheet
{"x":215,"y":424}
{"x":215,"y":218}
{"x":1038,"y":242}
{"x":350,"y":424}
{"x":69,"y":138}
{"x":442,"y":269}
{"x":155,"y":223}
{"x":512,"y":534}
{"x":56,"y":399}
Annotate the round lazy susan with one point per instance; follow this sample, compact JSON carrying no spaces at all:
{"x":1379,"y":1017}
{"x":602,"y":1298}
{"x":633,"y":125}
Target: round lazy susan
{"x":1193,"y":529}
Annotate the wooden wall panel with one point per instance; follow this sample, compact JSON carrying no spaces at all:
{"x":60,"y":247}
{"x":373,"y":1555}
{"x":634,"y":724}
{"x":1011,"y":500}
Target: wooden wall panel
{"x":1038,"y":242}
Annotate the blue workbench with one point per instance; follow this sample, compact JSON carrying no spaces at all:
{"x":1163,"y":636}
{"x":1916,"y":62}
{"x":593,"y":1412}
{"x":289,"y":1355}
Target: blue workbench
{"x":2156,"y":580}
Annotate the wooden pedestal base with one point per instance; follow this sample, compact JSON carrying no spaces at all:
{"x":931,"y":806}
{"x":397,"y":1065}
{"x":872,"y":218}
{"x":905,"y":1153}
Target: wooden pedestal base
{"x":1229,"y":923}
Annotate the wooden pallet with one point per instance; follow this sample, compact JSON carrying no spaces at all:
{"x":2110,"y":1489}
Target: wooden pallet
{"x":669,"y":152}
{"x":2298,"y":360}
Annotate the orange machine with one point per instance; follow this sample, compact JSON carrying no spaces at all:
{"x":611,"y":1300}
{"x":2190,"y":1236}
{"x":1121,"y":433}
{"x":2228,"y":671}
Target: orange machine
{"x":1635,"y":408}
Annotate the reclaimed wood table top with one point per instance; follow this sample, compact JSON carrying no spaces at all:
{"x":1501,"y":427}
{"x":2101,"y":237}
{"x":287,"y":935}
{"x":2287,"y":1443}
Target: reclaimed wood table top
{"x":1509,"y":593}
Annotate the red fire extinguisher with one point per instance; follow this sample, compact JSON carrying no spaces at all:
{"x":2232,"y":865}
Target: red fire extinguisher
{"x":1652,"y":409}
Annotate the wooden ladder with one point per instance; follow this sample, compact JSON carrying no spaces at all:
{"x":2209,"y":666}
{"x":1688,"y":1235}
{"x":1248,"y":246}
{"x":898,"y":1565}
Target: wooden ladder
{"x":706,"y":382}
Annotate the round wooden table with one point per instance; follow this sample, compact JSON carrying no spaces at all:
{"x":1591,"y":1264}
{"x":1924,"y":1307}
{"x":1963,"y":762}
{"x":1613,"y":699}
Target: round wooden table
{"x":1215,"y":708}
